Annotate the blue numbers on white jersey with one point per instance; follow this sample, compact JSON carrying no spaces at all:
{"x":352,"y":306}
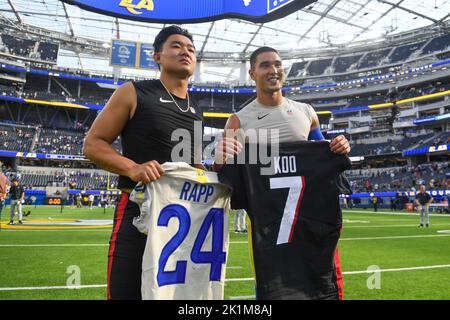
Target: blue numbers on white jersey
{"x":216,"y":257}
{"x":179,"y":274}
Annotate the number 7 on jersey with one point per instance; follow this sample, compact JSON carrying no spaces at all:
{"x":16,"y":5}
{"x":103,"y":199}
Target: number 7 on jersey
{"x":296,"y":187}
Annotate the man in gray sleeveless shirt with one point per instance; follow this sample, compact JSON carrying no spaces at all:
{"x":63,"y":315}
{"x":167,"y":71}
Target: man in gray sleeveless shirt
{"x":295,"y":121}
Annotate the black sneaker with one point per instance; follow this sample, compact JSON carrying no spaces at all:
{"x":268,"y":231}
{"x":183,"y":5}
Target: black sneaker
{"x":421,"y":226}
{"x":20,"y":222}
{"x":10,"y":223}
{"x":426,"y":225}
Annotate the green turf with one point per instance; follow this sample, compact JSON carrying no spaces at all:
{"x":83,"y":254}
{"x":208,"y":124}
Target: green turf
{"x":368,"y":238}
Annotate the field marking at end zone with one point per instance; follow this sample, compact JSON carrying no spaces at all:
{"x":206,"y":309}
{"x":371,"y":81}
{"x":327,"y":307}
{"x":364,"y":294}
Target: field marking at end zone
{"x":231,"y":279}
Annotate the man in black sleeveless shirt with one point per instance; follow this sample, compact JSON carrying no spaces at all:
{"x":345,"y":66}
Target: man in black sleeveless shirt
{"x":145,"y":114}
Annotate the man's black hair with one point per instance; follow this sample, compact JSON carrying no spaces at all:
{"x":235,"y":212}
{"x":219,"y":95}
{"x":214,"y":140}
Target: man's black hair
{"x":165,"y":33}
{"x":257,"y":52}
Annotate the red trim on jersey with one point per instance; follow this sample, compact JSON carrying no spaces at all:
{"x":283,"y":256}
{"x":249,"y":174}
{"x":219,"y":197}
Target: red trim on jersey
{"x":119,"y":217}
{"x":339,"y":278}
{"x":300,"y":198}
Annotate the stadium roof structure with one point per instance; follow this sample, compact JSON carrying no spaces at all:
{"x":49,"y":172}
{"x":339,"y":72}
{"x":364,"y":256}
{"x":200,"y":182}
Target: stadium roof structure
{"x":323,"y":24}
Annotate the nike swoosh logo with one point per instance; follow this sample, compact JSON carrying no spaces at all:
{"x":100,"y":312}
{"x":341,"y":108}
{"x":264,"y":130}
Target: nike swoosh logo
{"x":165,"y":101}
{"x":259,"y":118}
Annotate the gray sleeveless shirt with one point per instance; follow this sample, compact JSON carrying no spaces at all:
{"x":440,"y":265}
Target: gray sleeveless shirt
{"x":292,"y":119}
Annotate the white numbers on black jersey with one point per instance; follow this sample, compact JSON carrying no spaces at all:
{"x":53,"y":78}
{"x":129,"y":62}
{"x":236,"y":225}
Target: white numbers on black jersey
{"x":285,"y":164}
{"x":296,"y":187}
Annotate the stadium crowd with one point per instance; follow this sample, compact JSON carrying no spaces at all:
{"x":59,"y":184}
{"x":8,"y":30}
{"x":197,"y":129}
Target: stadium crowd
{"x":407,"y":178}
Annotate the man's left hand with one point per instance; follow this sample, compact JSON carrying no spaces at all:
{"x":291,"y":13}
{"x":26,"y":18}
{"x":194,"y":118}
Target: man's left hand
{"x":340,"y":145}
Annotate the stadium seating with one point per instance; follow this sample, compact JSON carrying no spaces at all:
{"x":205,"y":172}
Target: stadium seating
{"x":86,"y":182}
{"x":317,"y":67}
{"x":297,"y":69}
{"x":440,"y":139}
{"x":48,"y":51}
{"x":403,"y":52}
{"x":38,"y":50}
{"x":370,"y":59}
{"x":373,"y":58}
{"x":60,"y":142}
{"x":14,"y":138}
{"x":341,"y":64}
{"x":437,"y":44}
{"x":405,"y":178}
{"x":393,"y":146}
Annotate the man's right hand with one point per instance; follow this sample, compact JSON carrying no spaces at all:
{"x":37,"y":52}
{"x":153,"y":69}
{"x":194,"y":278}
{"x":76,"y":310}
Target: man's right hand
{"x":146,"y":172}
{"x":226,"y":148}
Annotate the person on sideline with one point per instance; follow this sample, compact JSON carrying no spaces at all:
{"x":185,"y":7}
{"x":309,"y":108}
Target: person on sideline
{"x":17,"y":195}
{"x":4,"y":185}
{"x":423,"y":200}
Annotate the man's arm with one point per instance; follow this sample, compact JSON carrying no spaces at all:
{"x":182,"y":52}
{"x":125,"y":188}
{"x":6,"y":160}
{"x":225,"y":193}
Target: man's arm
{"x":107,"y":127}
{"x":228,"y":146}
{"x":339,"y":145}
{"x":198,"y":156}
{"x":416,"y":201}
{"x":7,"y":186}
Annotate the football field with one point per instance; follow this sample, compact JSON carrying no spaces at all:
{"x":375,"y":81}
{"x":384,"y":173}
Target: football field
{"x":384,"y":255}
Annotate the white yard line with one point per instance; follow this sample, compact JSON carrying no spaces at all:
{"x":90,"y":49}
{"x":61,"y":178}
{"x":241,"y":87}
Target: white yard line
{"x":239,"y":279}
{"x":54,"y":287}
{"x":397,"y":213}
{"x":416,"y":225}
{"x":396,"y":237}
{"x":398,"y":269}
{"x":231,"y":242}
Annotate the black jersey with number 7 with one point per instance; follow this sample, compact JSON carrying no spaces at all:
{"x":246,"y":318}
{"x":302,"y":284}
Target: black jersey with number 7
{"x":293,"y":206}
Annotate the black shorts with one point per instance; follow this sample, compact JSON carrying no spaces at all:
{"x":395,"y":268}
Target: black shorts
{"x":126,"y":248}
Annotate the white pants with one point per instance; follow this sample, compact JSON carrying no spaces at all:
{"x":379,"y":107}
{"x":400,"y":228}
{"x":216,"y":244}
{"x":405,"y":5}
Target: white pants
{"x":16,"y":204}
{"x":239,"y":220}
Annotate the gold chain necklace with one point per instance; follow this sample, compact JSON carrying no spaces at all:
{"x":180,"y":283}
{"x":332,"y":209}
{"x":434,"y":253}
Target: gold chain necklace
{"x":188,"y":106}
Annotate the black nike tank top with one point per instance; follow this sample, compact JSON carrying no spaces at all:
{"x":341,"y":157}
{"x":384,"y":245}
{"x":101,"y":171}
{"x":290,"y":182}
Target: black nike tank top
{"x":147,"y":135}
